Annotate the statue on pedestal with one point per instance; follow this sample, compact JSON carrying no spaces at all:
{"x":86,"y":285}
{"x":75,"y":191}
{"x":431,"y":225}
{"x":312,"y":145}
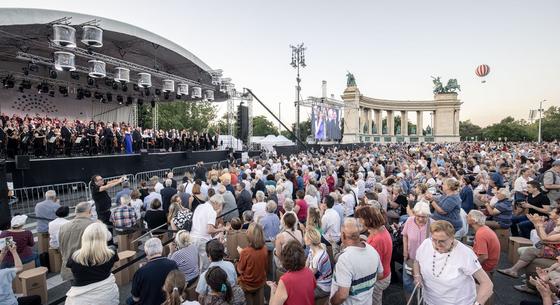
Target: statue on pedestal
{"x":451,"y":87}
{"x":350,"y":80}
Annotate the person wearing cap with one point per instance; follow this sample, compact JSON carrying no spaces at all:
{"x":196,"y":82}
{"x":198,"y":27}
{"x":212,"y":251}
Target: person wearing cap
{"x":551,"y":182}
{"x":23,"y":240}
{"x":54,"y":226}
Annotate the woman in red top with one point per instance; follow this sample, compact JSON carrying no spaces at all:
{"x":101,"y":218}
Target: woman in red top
{"x":380,"y":239}
{"x":301,"y":207}
{"x":252,"y":264}
{"x":297,"y":285}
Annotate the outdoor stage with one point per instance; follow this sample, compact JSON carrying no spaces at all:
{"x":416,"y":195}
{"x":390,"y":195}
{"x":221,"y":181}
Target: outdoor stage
{"x":64,"y":170}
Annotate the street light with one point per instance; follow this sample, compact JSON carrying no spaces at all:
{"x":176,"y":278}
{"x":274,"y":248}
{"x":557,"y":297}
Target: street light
{"x":298,"y":60}
{"x":540,"y":120}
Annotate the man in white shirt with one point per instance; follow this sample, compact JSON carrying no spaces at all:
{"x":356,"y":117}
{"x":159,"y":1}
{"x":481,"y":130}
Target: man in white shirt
{"x":54,"y":226}
{"x":204,"y":226}
{"x":153,"y":195}
{"x":157,"y":185}
{"x":330,"y":222}
{"x":259,"y":208}
{"x":361,"y":184}
{"x":353,"y":280}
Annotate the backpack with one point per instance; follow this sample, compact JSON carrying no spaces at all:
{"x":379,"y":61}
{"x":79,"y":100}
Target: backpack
{"x":540,"y":179}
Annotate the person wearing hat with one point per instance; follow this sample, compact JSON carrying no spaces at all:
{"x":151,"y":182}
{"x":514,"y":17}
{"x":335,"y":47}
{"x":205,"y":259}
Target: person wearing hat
{"x":23,"y":239}
{"x":551,"y":182}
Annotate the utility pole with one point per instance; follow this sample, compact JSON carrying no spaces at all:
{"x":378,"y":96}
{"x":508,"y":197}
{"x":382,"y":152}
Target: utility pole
{"x":279,"y":116}
{"x":540,"y":120}
{"x":298,"y":60}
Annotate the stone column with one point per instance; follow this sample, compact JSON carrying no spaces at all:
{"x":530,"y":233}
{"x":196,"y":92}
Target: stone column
{"x":390,"y":123}
{"x":419,"y":121}
{"x":378,"y":122}
{"x":434,"y":123}
{"x":351,"y":98}
{"x":369,"y":121}
{"x":404,"y":123}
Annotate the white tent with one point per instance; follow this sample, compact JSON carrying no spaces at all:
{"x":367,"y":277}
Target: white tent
{"x":228,"y":141}
{"x":270,"y":141}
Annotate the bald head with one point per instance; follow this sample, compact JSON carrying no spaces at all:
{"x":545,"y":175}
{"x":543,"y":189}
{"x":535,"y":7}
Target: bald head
{"x":351,"y":229}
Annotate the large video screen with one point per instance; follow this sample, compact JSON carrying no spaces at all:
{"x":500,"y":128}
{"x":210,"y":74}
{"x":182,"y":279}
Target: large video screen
{"x":325,"y":123}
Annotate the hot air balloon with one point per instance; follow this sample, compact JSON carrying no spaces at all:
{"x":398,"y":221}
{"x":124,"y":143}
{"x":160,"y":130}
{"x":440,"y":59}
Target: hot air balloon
{"x":482,"y":71}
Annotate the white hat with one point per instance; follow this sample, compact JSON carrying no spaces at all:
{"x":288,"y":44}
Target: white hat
{"x":18,"y":221}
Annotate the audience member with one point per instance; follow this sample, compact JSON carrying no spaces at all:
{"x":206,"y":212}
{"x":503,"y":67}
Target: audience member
{"x":7,"y":276}
{"x":45,"y":211}
{"x":185,"y":255}
{"x":23,"y":239}
{"x":148,"y":281}
{"x":70,"y":236}
{"x":253,"y":260}
{"x":55,"y":225}
{"x":124,"y":216}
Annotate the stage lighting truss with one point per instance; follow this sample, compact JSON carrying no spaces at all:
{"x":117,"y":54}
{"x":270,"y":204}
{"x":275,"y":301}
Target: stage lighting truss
{"x":89,"y":54}
{"x":97,"y":69}
{"x":168,"y":85}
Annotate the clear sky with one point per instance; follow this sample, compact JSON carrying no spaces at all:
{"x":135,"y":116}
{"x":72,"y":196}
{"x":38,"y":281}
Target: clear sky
{"x":392,"y":47}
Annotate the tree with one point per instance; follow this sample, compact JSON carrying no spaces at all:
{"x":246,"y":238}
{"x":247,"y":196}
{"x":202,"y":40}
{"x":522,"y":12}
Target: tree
{"x":263,"y":127}
{"x":550,"y":124}
{"x":304,"y":132}
{"x":509,"y":129}
{"x":468,"y":130}
{"x":180,"y":115}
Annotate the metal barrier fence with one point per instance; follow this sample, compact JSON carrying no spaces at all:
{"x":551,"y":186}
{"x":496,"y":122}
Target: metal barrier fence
{"x":69,"y":194}
{"x":160,"y":173}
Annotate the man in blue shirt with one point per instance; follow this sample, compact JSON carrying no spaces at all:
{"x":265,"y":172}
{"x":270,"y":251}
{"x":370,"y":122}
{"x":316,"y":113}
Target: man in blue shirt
{"x":125,"y":191}
{"x":270,"y":223}
{"x":46,"y":209}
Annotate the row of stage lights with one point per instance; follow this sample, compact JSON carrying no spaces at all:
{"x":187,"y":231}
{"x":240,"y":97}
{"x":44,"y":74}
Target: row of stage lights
{"x":65,"y":36}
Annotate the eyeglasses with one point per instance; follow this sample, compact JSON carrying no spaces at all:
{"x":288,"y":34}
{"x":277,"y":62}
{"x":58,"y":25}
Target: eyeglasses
{"x":440,"y":241}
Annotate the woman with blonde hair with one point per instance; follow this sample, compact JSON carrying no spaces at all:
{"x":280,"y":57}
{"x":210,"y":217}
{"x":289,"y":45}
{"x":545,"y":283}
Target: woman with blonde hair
{"x":197,"y":197}
{"x":319,"y":262}
{"x":174,"y":288}
{"x":185,"y":253}
{"x":91,"y":266}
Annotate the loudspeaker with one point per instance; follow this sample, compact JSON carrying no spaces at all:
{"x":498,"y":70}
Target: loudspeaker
{"x":5,"y":213}
{"x":23,"y":162}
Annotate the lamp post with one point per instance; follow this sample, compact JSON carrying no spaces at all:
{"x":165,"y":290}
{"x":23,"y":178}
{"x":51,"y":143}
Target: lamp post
{"x":298,"y":60}
{"x":540,"y":119}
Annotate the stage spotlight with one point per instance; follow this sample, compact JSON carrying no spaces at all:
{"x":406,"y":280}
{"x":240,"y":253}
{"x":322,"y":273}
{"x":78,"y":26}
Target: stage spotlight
{"x":135,"y":87}
{"x":109,"y":96}
{"x":87,"y":93}
{"x":26,"y":84}
{"x":153,"y":102}
{"x":129,"y":100}
{"x":44,"y":88}
{"x":90,"y":81}
{"x":115,"y":85}
{"x":178,"y":96}
{"x":80,"y":93}
{"x":53,"y":74}
{"x":140,"y":102}
{"x":120,"y":99}
{"x":63,"y":90}
{"x":147,"y":92}
{"x":158,"y":92}
{"x":108,"y":82}
{"x":25,"y":71}
{"x":20,"y":88}
{"x":74,"y":75}
{"x":124,"y":87}
{"x":39,"y":88}
{"x":33,"y":67}
{"x":51,"y":93}
{"x":8,"y":82}
{"x":166,"y":95}
{"x":97,"y":95}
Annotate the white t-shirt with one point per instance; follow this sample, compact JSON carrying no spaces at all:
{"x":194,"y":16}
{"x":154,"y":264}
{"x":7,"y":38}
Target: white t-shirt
{"x":349,"y":201}
{"x":54,"y":229}
{"x":203,"y":216}
{"x":361,"y":184}
{"x":330,"y":224}
{"x":137,"y":205}
{"x":259,"y":210}
{"x":520,"y":184}
{"x":455,"y":285}
{"x":351,"y":272}
{"x":158,"y":187}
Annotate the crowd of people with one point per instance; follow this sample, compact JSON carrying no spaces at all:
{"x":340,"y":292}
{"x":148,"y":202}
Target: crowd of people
{"x":327,"y":227}
{"x":48,"y":137}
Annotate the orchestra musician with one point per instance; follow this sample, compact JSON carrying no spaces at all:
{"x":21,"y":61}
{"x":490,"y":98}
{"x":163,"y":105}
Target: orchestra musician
{"x":108,"y":138}
{"x":92,"y":139}
{"x":39,"y":141}
{"x":11,"y":146}
{"x":137,"y":139}
{"x":24,"y":138}
{"x":66,"y":134}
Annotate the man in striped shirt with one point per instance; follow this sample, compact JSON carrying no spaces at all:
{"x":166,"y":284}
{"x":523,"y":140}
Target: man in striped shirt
{"x":353,"y":280}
